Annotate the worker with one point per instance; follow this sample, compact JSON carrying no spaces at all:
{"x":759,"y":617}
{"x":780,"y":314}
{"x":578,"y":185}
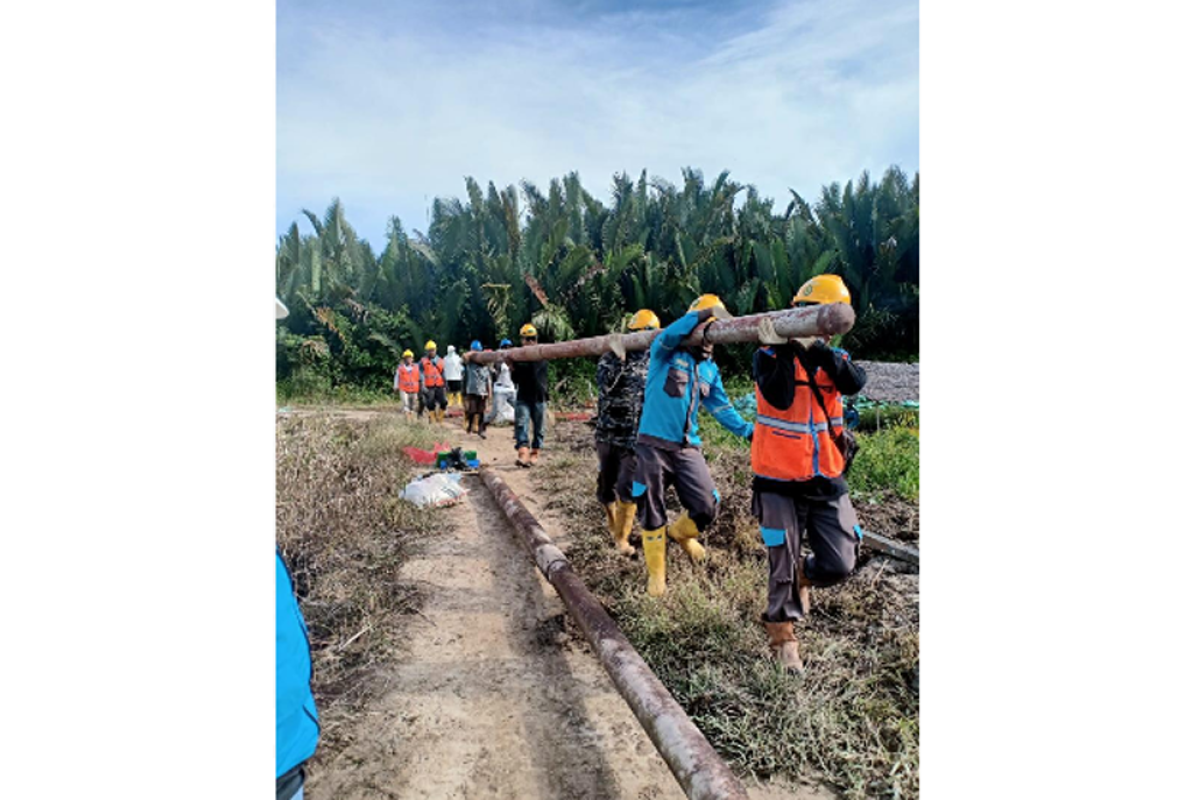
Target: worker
{"x":433,"y":383}
{"x":532,"y":379}
{"x":799,"y":484}
{"x":503,"y":392}
{"x":620,"y":383}
{"x":679,"y":379}
{"x":296,"y":727}
{"x":408,"y":384}
{"x":479,"y":389}
{"x":453,"y":374}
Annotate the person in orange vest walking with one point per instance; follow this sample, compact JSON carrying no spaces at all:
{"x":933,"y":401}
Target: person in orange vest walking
{"x":408,"y":384}
{"x":799,"y":466}
{"x":433,"y":383}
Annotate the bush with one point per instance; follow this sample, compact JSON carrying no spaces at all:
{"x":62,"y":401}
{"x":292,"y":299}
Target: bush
{"x":888,"y":459}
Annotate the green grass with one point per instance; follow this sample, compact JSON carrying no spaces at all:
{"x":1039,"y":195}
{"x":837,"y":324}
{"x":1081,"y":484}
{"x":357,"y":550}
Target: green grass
{"x":888,"y":460}
{"x":852,"y":719}
{"x":888,"y":416}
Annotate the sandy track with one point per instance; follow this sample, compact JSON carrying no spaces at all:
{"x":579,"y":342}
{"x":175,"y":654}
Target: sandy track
{"x":492,"y":699}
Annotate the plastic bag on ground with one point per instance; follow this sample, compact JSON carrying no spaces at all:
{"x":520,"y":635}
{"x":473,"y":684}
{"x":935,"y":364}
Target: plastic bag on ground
{"x":439,"y":489}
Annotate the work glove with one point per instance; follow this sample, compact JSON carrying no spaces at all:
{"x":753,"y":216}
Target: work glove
{"x":616,"y":343}
{"x":767,"y":334}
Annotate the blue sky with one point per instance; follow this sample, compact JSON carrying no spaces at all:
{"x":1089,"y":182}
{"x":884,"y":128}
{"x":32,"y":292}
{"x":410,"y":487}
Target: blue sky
{"x":390,"y":104}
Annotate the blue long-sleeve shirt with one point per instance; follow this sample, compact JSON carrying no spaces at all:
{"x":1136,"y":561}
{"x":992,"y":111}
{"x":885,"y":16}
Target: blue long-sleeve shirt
{"x":296,"y":727}
{"x":677,"y":385}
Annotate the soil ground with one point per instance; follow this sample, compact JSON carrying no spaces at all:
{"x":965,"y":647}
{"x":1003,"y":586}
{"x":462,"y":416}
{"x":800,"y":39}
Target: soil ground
{"x":493,"y":694}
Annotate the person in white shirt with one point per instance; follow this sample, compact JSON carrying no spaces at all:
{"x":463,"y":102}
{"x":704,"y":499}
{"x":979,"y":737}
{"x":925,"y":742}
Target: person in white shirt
{"x":454,"y":376}
{"x":504,"y":392}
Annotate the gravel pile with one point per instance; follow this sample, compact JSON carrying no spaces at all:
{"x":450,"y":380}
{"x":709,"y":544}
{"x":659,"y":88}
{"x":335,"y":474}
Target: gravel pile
{"x":891,"y":383}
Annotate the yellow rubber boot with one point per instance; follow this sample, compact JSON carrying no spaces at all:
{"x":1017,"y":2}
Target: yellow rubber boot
{"x":684,"y":531}
{"x":623,"y":526}
{"x":654,"y":545}
{"x":610,"y":516}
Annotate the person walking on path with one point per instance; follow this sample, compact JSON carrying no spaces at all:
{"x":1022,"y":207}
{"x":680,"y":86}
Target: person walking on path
{"x":532,"y":379}
{"x":503,"y":391}
{"x":453,"y":374}
{"x":433,"y":383}
{"x":408,"y":384}
{"x":479,"y":389}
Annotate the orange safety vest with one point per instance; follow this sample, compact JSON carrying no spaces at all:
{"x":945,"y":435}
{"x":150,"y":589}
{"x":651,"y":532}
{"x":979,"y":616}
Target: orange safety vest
{"x":432,"y":372}
{"x":407,"y":379}
{"x":796,"y":444}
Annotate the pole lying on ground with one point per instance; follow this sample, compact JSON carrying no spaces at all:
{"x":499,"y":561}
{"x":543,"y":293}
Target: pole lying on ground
{"x":701,"y":773}
{"x":821,"y":320}
{"x":877,"y":541}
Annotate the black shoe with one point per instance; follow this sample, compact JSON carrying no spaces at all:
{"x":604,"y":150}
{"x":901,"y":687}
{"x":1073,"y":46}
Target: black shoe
{"x":482,"y":435}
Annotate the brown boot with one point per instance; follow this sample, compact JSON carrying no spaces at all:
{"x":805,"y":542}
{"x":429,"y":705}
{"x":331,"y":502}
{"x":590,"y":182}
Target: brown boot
{"x":533,"y":454}
{"x":803,"y":586}
{"x":523,"y":457}
{"x":784,"y":647}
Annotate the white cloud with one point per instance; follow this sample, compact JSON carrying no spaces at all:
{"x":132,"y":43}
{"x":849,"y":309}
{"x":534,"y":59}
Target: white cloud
{"x":387,"y":115}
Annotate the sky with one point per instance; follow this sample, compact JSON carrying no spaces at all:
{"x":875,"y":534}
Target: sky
{"x":388,"y":105}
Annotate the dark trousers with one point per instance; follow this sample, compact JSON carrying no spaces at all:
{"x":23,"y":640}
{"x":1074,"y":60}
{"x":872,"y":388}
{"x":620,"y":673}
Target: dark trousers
{"x":474,"y":406}
{"x":618,"y":466}
{"x":685,"y":469}
{"x":831,"y":527}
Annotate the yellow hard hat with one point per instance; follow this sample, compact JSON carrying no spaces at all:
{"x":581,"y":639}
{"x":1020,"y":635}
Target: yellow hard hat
{"x":710,"y":301}
{"x":643,"y":319}
{"x":822,"y":289}
{"x":528,"y":331}
{"x":431,"y":345}
{"x":407,"y":354}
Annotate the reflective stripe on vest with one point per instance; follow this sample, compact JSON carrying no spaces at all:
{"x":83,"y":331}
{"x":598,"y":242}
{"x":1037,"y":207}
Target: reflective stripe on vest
{"x":433,"y":375}
{"x":796,"y":444}
{"x":409,"y":381}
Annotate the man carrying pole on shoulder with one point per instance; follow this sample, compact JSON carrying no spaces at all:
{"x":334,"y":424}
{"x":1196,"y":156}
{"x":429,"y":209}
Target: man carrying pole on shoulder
{"x":433,"y":383}
{"x":532,"y":379}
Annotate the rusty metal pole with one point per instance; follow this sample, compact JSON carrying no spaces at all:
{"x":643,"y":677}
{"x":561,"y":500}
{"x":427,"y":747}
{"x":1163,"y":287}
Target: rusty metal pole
{"x":701,"y":773}
{"x":822,"y":320}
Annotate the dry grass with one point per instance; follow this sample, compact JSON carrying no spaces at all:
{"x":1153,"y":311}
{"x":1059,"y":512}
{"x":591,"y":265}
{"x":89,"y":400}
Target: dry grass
{"x":851,"y":719}
{"x":343,"y":533}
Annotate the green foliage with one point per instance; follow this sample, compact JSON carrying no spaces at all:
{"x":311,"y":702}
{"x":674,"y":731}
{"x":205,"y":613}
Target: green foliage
{"x":576,"y":267}
{"x":573,"y":382}
{"x":888,"y":460}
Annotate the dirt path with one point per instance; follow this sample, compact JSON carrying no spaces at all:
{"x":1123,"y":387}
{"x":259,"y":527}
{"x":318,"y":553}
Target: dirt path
{"x":493,"y":699}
